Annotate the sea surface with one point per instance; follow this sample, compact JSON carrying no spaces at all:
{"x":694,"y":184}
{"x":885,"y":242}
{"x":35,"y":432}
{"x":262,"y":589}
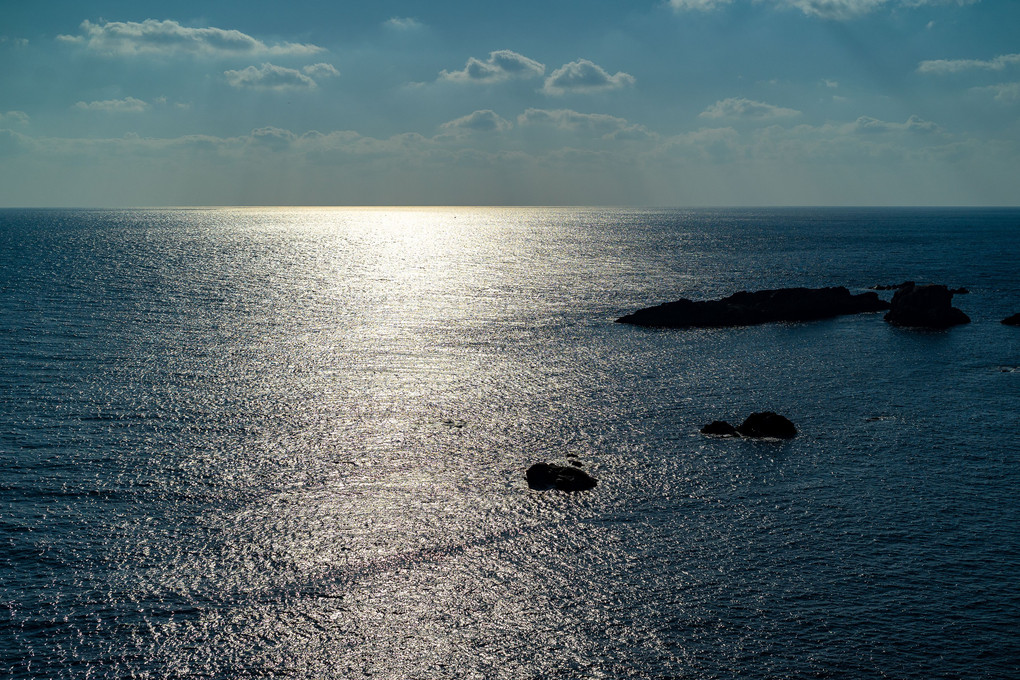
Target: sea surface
{"x":291,"y":443}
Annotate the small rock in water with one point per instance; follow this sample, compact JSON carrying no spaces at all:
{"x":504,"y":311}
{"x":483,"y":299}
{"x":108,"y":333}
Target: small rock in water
{"x":1012,"y":320}
{"x":543,"y":477}
{"x":767,"y":424}
{"x":720,"y":428}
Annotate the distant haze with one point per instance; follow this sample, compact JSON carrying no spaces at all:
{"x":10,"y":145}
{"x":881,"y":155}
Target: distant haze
{"x":678,"y":102}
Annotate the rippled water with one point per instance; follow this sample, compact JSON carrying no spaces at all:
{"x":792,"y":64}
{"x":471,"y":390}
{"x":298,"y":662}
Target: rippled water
{"x":261,"y":443}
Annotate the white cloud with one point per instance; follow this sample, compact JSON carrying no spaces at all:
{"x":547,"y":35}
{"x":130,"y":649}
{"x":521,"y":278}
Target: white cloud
{"x":736,"y":107}
{"x":272,"y":138}
{"x":824,"y":9}
{"x":321,"y":70}
{"x":868,"y":125}
{"x":501,"y":65}
{"x":126,"y":105}
{"x":13,"y":143}
{"x":17,"y":42}
{"x":1005,"y":92}
{"x":605,"y":126}
{"x":835,"y":9}
{"x":270,"y":77}
{"x":703,"y":5}
{"x":155,"y":37}
{"x":19,"y":117}
{"x":837,"y":163}
{"x":943,"y":66}
{"x":584,"y":76}
{"x":479,"y":121}
{"x":403,"y":24}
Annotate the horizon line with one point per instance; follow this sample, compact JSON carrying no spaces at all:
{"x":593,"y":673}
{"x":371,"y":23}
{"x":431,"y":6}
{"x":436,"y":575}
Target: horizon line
{"x":441,"y":206}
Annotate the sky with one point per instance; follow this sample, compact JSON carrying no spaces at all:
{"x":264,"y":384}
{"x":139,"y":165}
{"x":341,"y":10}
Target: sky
{"x":644,"y":102}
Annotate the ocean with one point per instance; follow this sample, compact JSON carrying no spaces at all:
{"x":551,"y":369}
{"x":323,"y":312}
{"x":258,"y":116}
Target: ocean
{"x":292,"y":442}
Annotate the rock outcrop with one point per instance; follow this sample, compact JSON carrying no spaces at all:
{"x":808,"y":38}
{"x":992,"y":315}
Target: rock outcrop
{"x":762,"y":425}
{"x":767,"y":424}
{"x":720,"y":428}
{"x":751,"y":308}
{"x":544,"y":476}
{"x":927,"y":306}
{"x":1012,"y":320}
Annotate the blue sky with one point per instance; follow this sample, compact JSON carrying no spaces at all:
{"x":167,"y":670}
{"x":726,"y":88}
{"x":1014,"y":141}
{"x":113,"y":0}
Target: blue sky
{"x":672,"y":103}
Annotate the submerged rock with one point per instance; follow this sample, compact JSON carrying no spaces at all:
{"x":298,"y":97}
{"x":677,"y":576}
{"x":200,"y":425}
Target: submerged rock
{"x":765,"y":306}
{"x":927,"y":306}
{"x":1012,"y":320}
{"x":543,"y":477}
{"x":767,"y":424}
{"x":720,"y":428}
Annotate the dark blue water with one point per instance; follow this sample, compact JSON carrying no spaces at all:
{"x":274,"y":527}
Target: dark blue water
{"x":265,"y":443}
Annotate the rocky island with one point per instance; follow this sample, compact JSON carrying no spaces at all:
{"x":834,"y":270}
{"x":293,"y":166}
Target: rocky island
{"x":751,"y":308}
{"x":761,"y":425}
{"x":927,"y":306}
{"x":546,"y":476}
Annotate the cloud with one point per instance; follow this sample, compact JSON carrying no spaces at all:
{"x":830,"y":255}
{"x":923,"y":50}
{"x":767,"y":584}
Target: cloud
{"x":736,"y":107}
{"x":868,"y":125}
{"x":823,"y":9}
{"x":501,"y":65}
{"x":321,"y":70}
{"x":17,"y":42}
{"x":837,"y":163}
{"x":19,"y":117}
{"x":12,"y":143}
{"x":605,"y":126}
{"x":703,"y":5}
{"x":1005,"y":92}
{"x":272,"y":138}
{"x":126,"y":105}
{"x":583,"y":76}
{"x":835,"y":9}
{"x":129,"y":38}
{"x":944,"y":66}
{"x":403,"y":24}
{"x":479,"y":121}
{"x":271,"y":77}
